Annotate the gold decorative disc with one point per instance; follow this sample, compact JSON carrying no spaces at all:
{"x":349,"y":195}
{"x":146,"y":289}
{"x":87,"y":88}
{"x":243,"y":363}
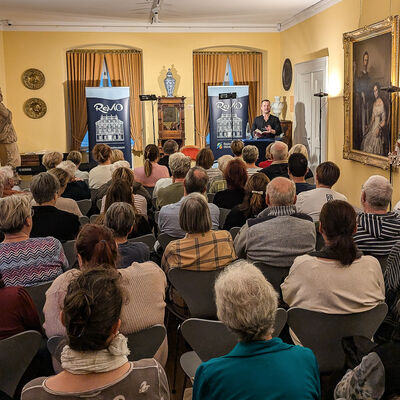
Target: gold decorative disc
{"x":33,"y":78}
{"x":35,"y":108}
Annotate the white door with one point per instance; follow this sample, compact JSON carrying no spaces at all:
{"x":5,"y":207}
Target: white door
{"x":310,"y":78}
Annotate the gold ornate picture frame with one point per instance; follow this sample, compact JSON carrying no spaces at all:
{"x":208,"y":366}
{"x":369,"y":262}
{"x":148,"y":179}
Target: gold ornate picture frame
{"x":371,"y":62}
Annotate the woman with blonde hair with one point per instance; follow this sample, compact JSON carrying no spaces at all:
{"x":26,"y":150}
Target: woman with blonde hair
{"x":151,"y":172}
{"x":253,"y":202}
{"x":102,"y":173}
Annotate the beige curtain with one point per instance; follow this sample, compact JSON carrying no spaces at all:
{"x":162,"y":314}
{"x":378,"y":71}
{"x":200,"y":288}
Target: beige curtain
{"x":83,"y":69}
{"x":208,"y":70}
{"x":125,"y":69}
{"x":247,"y":70}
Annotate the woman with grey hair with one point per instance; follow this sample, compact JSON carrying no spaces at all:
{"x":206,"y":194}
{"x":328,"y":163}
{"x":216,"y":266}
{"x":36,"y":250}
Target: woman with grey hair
{"x":250,"y":156}
{"x":48,"y":220}
{"x":76,"y":188}
{"x":26,"y":261}
{"x":259,"y":366}
{"x":201,"y":249}
{"x":120,"y":218}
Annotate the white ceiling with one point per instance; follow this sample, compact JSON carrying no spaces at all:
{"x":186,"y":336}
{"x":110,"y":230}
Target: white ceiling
{"x":173,"y":14}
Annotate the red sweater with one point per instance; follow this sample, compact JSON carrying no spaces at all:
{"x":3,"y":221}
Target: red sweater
{"x":18,"y":313}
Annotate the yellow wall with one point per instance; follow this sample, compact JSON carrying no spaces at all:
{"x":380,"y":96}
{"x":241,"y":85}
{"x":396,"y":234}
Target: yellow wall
{"x":2,"y":68}
{"x":46,"y":51}
{"x":322,"y":35}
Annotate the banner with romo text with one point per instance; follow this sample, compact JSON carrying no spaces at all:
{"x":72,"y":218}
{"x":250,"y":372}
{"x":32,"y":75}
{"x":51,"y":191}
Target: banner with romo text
{"x":108,"y":118}
{"x":228,"y":117}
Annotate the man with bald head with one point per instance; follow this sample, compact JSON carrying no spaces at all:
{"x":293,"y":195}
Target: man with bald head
{"x":279,"y":166}
{"x":279,"y":233}
{"x":377,"y":230}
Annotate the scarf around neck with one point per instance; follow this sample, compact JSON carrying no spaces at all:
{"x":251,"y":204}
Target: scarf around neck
{"x":87,"y":362}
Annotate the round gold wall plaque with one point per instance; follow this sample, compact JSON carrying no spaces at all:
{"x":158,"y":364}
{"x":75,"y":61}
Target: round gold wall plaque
{"x":35,"y":108}
{"x":33,"y":78}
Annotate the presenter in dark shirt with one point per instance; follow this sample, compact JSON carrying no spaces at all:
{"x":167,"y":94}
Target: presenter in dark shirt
{"x":266,"y":126}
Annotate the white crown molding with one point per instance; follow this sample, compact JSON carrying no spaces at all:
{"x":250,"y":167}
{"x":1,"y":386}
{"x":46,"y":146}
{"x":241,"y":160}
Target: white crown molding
{"x":307,"y":13}
{"x":140,"y":28}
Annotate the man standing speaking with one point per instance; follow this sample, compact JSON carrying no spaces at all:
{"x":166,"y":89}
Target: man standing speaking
{"x":266,"y":126}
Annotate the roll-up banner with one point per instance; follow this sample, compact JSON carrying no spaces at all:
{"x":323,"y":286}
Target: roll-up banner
{"x":228,"y":117}
{"x":108,"y":118}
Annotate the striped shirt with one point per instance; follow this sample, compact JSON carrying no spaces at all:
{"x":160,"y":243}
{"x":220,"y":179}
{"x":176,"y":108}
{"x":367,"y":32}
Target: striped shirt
{"x":377,"y":233}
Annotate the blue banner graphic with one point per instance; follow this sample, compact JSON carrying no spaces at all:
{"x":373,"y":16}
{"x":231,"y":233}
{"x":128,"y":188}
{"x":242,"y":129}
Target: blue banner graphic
{"x":108,"y":118}
{"x":228,"y":117}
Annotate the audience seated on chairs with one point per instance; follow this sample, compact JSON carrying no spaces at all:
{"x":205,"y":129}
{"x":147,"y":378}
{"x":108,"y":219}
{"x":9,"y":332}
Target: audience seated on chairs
{"x":376,"y":376}
{"x":390,"y":327}
{"x":51,"y":159}
{"x":76,"y":189}
{"x":47,"y":219}
{"x":218,"y":182}
{"x":297,"y":169}
{"x":338,"y":279}
{"x":75,"y":157}
{"x":144,"y":285}
{"x":377,"y":230}
{"x":311,"y":201}
{"x":300,"y":148}
{"x":120,"y":218}
{"x":205,"y":159}
{"x":253,"y":202}
{"x":116,"y":155}
{"x":63,"y":203}
{"x":151,"y":172}
{"x":169,"y":147}
{"x":201,"y":249}
{"x":100,"y":174}
{"x":268,"y":157}
{"x":18,"y":313}
{"x":278,"y":167}
{"x":179,"y":165}
{"x":195,"y":182}
{"x":237,"y":147}
{"x":279,"y":233}
{"x":121,"y":170}
{"x":121,"y":191}
{"x":7,"y":177}
{"x":95,"y":359}
{"x":236,"y":177}
{"x":25,"y":261}
{"x":259,"y":366}
{"x":113,"y":195}
{"x":250,"y":156}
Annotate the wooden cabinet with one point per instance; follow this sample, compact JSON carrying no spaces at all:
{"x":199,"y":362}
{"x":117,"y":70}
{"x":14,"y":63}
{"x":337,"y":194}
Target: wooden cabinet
{"x":171,"y":120}
{"x":288,"y":132}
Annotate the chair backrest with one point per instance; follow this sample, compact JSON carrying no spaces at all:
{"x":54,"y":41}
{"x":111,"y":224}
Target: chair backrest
{"x":145,"y":343}
{"x":98,"y":204}
{"x":274,"y":275}
{"x":320,"y":242}
{"x":210,"y":197}
{"x":223,"y":213}
{"x":16,"y":353}
{"x":210,"y":339}
{"x":84,"y":205}
{"x":149,"y":239}
{"x":323,"y":333}
{"x":70,"y":252}
{"x":197,"y":289}
{"x":234,"y":231}
{"x":93,"y":218}
{"x":38,"y":295}
{"x":164,"y":239}
{"x":84,"y":220}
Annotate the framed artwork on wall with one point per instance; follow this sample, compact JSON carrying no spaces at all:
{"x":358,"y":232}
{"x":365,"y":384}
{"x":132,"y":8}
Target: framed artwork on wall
{"x":371,"y":68}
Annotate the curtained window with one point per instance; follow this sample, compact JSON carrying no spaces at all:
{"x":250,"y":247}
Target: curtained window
{"x":84,"y":68}
{"x":209,"y":70}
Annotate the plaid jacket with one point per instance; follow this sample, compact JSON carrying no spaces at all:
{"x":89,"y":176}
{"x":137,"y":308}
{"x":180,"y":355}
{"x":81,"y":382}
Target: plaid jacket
{"x":200,"y":251}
